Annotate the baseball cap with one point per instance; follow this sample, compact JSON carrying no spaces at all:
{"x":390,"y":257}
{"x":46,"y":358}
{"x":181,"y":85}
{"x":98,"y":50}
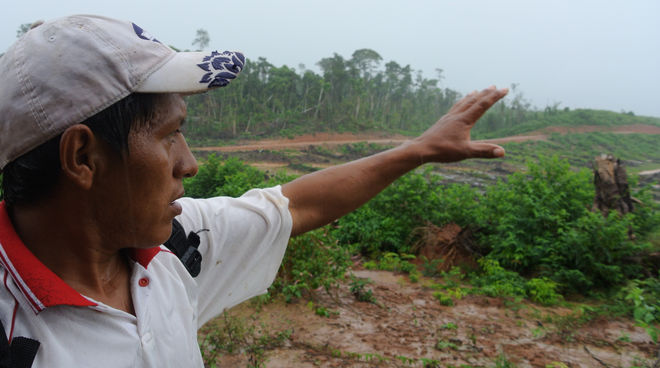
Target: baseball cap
{"x":62,"y":72}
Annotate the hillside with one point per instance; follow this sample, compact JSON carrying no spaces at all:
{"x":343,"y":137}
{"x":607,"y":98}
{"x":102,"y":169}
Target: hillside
{"x":635,"y":144}
{"x":393,"y":317}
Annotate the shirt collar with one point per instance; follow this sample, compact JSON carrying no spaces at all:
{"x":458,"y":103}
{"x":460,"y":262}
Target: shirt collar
{"x":41,"y":286}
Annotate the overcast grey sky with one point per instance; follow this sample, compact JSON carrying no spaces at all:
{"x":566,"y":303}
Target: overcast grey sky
{"x":602,"y":54}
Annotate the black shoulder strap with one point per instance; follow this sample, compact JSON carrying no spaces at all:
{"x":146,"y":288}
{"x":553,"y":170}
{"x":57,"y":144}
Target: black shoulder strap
{"x":20,"y":353}
{"x":185,"y":247}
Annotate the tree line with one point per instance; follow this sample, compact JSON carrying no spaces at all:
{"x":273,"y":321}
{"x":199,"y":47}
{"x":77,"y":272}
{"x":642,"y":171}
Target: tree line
{"x":356,"y":94}
{"x":349,"y":94}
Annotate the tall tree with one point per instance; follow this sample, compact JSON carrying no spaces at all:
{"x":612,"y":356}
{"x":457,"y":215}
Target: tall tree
{"x":366,"y":61}
{"x":22,"y":29}
{"x":202,"y":39}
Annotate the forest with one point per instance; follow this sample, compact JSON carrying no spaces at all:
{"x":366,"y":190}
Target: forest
{"x":359,"y":94}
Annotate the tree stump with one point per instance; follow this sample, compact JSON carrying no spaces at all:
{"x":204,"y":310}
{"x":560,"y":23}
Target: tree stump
{"x":611,"y":182}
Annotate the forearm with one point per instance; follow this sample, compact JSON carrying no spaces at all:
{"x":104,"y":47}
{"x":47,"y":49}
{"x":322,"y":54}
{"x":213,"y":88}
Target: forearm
{"x":319,"y":198}
{"x":323,"y":196}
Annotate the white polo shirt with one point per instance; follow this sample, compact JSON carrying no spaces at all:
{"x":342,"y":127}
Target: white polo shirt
{"x":241,"y":251}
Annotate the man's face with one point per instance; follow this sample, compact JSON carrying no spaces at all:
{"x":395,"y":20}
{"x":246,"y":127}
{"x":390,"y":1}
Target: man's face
{"x":141,"y":189}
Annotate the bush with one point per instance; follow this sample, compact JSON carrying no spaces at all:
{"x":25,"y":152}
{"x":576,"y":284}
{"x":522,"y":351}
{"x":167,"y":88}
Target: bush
{"x":523,"y":218}
{"x":229,"y":178}
{"x":646,"y":215}
{"x":539,"y":223}
{"x":495,"y":281}
{"x":593,"y":253}
{"x":536,"y":224}
{"x":311,"y":261}
{"x":443,"y":298}
{"x":543,"y":291}
{"x":358,"y":287}
{"x":384,"y":224}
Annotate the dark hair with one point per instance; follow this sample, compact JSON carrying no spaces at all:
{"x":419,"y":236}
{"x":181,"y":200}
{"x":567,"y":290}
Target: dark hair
{"x":32,"y":176}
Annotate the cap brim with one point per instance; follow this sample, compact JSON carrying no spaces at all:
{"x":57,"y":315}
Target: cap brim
{"x":194,"y":72}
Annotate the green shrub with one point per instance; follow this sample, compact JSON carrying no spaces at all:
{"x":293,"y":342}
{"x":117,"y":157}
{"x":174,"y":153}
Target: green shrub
{"x":523,"y":217}
{"x":358,"y":287}
{"x":496,"y":281}
{"x":442,"y":344}
{"x":540,"y":223}
{"x":458,"y":203}
{"x":312,"y":260}
{"x":443,"y":298}
{"x":369,"y":231}
{"x":394,"y":262}
{"x":643,"y":300}
{"x":593,"y":253}
{"x":385,"y":223}
{"x":543,"y":291}
{"x":229,"y":178}
{"x":646,"y":214}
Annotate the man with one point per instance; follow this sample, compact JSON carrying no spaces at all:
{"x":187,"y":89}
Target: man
{"x":93,"y":161}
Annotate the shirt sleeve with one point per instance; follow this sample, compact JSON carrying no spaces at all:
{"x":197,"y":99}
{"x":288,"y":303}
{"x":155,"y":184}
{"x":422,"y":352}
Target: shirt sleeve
{"x":243,"y":241}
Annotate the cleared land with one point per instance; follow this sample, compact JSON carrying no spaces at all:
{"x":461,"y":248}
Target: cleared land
{"x":407,"y":326}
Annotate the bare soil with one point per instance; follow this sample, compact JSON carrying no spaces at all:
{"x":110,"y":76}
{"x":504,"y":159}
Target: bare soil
{"x":407,"y":325}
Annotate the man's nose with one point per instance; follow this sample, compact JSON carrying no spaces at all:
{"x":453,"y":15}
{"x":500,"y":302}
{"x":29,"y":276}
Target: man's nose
{"x":187,"y":164}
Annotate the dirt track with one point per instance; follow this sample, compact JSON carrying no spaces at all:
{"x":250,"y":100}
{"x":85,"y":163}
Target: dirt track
{"x":330,"y":139}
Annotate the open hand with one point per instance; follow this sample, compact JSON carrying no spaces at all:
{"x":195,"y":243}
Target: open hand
{"x":448,"y":140}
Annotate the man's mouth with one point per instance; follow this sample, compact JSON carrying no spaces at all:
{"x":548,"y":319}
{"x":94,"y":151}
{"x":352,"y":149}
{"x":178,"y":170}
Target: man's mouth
{"x":176,"y":206}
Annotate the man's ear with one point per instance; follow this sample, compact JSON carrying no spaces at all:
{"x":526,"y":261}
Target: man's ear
{"x":79,"y":150}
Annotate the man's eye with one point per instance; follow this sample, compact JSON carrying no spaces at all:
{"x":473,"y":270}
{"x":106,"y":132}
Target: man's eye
{"x":172,"y":136}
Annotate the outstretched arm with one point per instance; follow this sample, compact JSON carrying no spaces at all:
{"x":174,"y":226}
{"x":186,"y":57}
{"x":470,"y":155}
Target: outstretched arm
{"x":321,"y":197}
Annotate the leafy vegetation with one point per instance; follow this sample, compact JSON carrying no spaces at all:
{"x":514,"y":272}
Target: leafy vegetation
{"x":385,"y":223}
{"x":235,"y":335}
{"x":230,"y":177}
{"x":312,"y":260}
{"x":540,"y":223}
{"x":395,"y":262}
{"x":534,"y":228}
{"x":539,"y":238}
{"x":358,"y":287}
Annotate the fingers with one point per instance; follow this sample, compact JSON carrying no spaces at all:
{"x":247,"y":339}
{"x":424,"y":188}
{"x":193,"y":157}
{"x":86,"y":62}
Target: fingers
{"x":485,"y":150}
{"x":485,"y":98}
{"x":463,"y":103}
{"x":479,"y":103}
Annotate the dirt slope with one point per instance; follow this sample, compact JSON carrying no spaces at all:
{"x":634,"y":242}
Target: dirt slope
{"x":408,"y":325}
